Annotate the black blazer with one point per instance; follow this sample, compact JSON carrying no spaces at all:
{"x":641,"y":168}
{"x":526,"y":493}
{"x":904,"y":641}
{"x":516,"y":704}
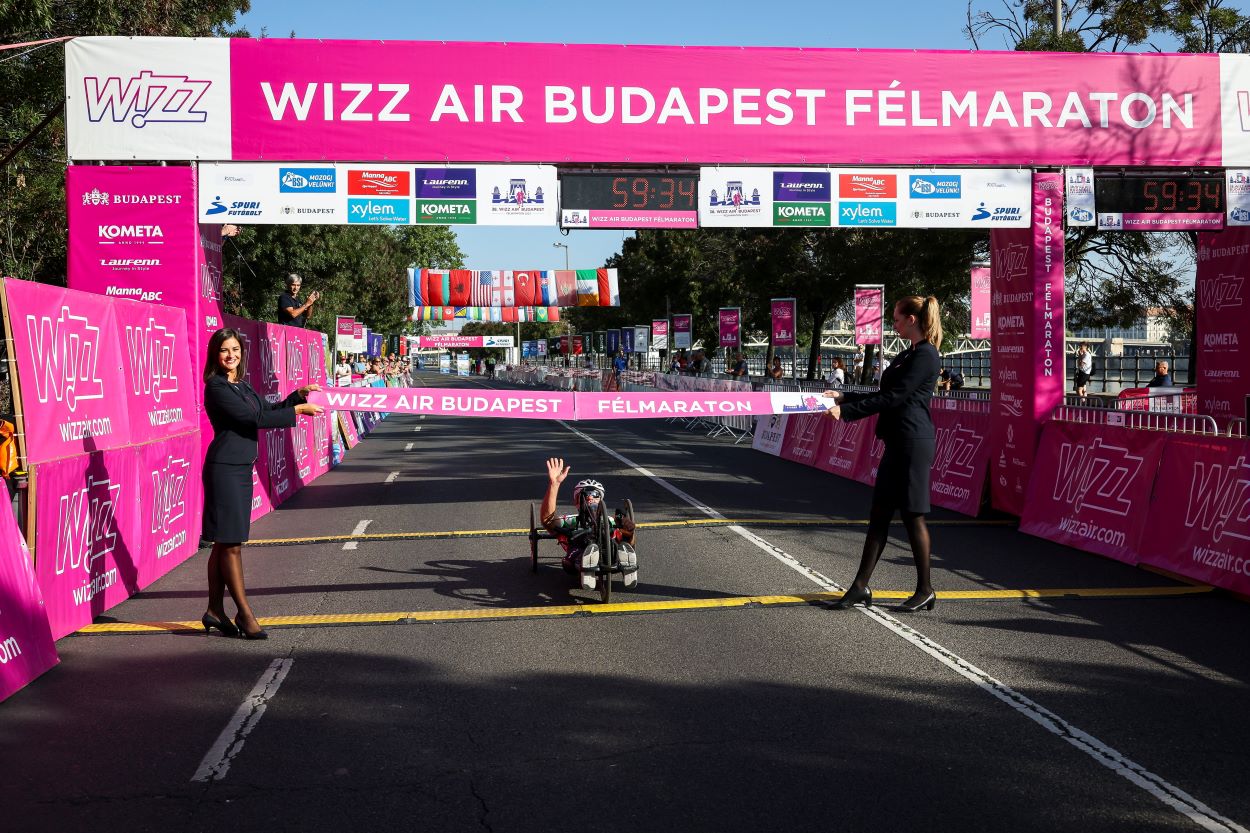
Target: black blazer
{"x":237,"y":413}
{"x":902,"y":404}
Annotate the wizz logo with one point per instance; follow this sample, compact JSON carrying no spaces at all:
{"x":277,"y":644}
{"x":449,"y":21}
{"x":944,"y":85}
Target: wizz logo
{"x":66,"y":352}
{"x":275,"y":444}
{"x":300,"y":438}
{"x":169,"y":487}
{"x":86,"y":526}
{"x":1096,"y":476}
{"x":270,"y":362}
{"x":210,"y":281}
{"x":1011,"y":261}
{"x":316,"y":364}
{"x":294,"y":361}
{"x":1220,"y":292}
{"x":956,"y":450}
{"x":321,"y":431}
{"x":151,"y":367}
{"x":145,"y":99}
{"x":1219,"y":498}
{"x":848,"y":439}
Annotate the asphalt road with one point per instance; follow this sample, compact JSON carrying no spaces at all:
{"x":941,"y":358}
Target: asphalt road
{"x":708,"y":702}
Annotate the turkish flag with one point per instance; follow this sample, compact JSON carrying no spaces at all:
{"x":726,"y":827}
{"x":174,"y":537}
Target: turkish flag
{"x":525,"y":284}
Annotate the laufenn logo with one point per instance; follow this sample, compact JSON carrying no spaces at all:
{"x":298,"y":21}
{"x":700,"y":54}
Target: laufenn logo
{"x":151,"y":366}
{"x":145,"y":99}
{"x":66,"y":353}
{"x":1219,"y":500}
{"x":1096,"y":476}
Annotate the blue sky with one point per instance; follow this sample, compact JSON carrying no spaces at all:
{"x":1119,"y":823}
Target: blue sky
{"x":935,"y":24}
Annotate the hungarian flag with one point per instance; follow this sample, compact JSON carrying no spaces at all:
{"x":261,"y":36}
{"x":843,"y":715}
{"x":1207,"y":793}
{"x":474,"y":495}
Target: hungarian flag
{"x":588,"y":288}
{"x":509,"y":290}
{"x":566,"y":288}
{"x":480,"y":296}
{"x":527,"y":290}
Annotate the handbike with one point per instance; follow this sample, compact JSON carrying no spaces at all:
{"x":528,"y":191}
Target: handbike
{"x":601,"y":531}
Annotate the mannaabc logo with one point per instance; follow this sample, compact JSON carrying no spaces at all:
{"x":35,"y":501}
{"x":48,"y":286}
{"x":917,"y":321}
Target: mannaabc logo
{"x":1219,"y":500}
{"x":86,"y":527}
{"x":169,"y":487}
{"x":1096,"y":476}
{"x":151,"y":366}
{"x":65,"y":352}
{"x":145,"y":99}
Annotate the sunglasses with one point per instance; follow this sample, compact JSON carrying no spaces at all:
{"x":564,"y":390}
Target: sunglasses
{"x":594,"y":494}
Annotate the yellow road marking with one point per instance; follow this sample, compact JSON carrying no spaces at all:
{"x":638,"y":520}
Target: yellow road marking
{"x":694,"y":522}
{"x":488,"y":614}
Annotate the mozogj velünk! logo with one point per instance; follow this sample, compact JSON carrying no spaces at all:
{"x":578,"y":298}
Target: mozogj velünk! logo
{"x":307,"y":180}
{"x":936,"y":187}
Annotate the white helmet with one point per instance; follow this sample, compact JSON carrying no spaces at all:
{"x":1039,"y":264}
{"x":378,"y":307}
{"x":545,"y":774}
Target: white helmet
{"x":584,"y":485}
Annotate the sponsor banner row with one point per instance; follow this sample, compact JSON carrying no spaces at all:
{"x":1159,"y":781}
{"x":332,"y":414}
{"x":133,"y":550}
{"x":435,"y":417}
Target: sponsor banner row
{"x":571,"y":406}
{"x":290,"y":99}
{"x":310,"y":193}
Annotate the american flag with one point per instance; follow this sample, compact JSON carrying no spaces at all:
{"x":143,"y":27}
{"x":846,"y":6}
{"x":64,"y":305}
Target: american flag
{"x":480,"y":295}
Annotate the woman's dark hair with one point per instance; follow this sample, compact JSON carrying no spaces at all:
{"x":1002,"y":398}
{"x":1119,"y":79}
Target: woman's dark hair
{"x":212,"y":367}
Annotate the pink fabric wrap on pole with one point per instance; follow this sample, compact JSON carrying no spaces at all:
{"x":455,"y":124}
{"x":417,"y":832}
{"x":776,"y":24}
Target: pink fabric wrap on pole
{"x":26,"y":648}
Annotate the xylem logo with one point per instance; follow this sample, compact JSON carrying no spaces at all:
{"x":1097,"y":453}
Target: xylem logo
{"x":66,"y":351}
{"x":1221,"y":292}
{"x":1096,"y":476}
{"x":956,"y":452}
{"x":307,"y":180}
{"x":130,"y":232}
{"x":1011,"y":262}
{"x":145,"y":99}
{"x":151,"y":364}
{"x":377,"y":211}
{"x":169,"y":488}
{"x":867,"y":214}
{"x":86,"y":529}
{"x":1219,"y":500}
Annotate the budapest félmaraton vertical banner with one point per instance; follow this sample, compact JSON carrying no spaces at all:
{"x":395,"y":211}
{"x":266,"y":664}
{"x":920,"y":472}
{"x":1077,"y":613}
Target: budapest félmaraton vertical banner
{"x":1223,"y":323}
{"x":1027,"y":277}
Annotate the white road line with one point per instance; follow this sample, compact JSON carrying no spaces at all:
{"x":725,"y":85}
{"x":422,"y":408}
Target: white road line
{"x":390,"y":478}
{"x":409,"y":446}
{"x":359,"y":530}
{"x":417,"y":428}
{"x":230,"y":742}
{"x":1171,"y":795}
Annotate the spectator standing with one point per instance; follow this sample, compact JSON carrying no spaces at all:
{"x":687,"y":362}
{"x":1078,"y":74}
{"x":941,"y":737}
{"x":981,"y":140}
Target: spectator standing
{"x":698,"y":363}
{"x":776,"y":372}
{"x":290,"y":311}
{"x":342,"y":372}
{"x":836,"y":377}
{"x":619,"y":364}
{"x":739,"y":370}
{"x":1084,"y":368}
{"x":1162,"y":379}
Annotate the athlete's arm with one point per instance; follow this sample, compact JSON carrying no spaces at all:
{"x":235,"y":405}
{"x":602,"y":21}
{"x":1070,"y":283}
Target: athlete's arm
{"x":556,"y":472}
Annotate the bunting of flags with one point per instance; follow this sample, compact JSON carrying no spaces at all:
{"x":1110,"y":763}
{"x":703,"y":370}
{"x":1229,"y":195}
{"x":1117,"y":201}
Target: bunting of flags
{"x":519,"y":288}
{"x":507,"y":314}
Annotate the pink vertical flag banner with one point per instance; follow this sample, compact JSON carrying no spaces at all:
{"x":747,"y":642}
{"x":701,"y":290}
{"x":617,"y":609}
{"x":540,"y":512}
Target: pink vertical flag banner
{"x":683,"y":326}
{"x":659,"y":334}
{"x":784,"y":321}
{"x":26,"y":647}
{"x":1027,"y":279}
{"x":135,"y":233}
{"x":979,"y":327}
{"x":730,"y":321}
{"x":1223,"y":323}
{"x":869,"y":314}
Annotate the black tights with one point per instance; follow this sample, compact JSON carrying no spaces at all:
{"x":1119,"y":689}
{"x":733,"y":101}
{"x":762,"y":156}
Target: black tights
{"x":225,"y":572}
{"x":879,"y":531}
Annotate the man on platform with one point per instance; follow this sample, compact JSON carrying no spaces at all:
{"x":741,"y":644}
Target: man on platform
{"x":290,"y":311}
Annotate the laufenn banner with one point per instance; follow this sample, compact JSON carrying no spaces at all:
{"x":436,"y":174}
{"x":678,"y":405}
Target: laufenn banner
{"x":281,"y":99}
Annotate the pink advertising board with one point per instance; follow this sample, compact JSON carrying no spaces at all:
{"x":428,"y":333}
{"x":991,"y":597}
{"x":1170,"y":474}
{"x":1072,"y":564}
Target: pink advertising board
{"x":980,"y":302}
{"x":730,"y":326}
{"x":805,"y":436}
{"x":1198,"y":523}
{"x":1091,"y":485}
{"x":957,"y":478}
{"x":842,"y":446}
{"x":26,"y":648}
{"x":1027,"y":277}
{"x":89,"y":537}
{"x":1223,"y":323}
{"x":682,"y":331}
{"x":162,"y":386}
{"x":171,"y":503}
{"x":293,"y":99}
{"x":784,"y":321}
{"x":69,"y":362}
{"x":871,"y":450}
{"x":869,"y":314}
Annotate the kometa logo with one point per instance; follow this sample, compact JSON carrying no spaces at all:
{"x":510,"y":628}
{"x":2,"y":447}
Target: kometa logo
{"x":151,"y":365}
{"x":145,"y":99}
{"x":65,"y":352}
{"x":169,"y":487}
{"x":1219,"y":500}
{"x":86,"y":529}
{"x":1096,"y":476}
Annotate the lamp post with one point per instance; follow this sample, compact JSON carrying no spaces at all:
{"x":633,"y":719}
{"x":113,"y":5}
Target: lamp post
{"x":568,"y":327}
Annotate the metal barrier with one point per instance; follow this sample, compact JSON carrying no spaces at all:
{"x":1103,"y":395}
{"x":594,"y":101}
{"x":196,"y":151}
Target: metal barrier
{"x":1141,"y":420}
{"x":1237,"y":427}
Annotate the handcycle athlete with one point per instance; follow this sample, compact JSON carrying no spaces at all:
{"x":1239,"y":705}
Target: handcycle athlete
{"x":575,"y":532}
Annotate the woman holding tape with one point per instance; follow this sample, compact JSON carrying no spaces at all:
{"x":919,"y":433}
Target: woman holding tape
{"x":904,"y":425}
{"x":237,"y":413}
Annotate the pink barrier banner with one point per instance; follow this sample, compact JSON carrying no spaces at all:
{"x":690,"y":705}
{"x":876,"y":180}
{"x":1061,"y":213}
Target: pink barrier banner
{"x":871,"y":450}
{"x":171,"y":503}
{"x":770,"y":434}
{"x":1198,"y":524}
{"x":208,"y":268}
{"x":980,"y":326}
{"x":1028,"y":337}
{"x":730,"y":321}
{"x":784,"y":320}
{"x":26,"y":648}
{"x":135,"y":232}
{"x":842,"y":446}
{"x":1091,"y":488}
{"x":348,"y":426}
{"x":69,"y":362}
{"x":957,"y":479}
{"x":869,"y":314}
{"x":1223,"y":323}
{"x":89,"y":550}
{"x":161,"y":382}
{"x":805,"y":436}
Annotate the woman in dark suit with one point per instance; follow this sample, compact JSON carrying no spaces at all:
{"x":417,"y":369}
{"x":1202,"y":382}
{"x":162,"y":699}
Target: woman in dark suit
{"x":237,"y":413}
{"x":904,"y":425}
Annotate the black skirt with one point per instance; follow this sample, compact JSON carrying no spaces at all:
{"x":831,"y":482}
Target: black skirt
{"x":227,"y":503}
{"x":903,"y":476}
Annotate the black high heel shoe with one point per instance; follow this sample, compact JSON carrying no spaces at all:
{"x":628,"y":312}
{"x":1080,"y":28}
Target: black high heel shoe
{"x":913,"y":604}
{"x":209,"y":622}
{"x":260,"y":634}
{"x":854,"y":597}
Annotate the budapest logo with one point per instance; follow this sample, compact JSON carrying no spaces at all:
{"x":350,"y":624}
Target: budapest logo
{"x":95,"y":197}
{"x":145,"y":99}
{"x":1221,"y":292}
{"x":1096,"y":476}
{"x":86,"y":524}
{"x":151,"y":366}
{"x":66,"y":352}
{"x":734,"y":196}
{"x":169,"y":489}
{"x":1219,"y":500}
{"x":517,"y":194}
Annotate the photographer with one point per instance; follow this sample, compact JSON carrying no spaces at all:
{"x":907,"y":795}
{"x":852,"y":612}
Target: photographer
{"x":290,"y":311}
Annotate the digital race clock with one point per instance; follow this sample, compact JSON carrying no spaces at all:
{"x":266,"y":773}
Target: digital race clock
{"x":629,"y":199}
{"x":1166,"y":202}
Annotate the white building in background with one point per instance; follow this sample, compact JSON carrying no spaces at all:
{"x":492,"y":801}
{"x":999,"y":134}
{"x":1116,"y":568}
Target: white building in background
{"x":1152,"y":329}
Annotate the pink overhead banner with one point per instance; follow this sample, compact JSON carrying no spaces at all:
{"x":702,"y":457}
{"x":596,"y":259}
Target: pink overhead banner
{"x":784,"y":320}
{"x":26,"y":648}
{"x":1223,"y":323}
{"x":980,"y":305}
{"x":290,"y":99}
{"x":869,"y":314}
{"x":730,"y":320}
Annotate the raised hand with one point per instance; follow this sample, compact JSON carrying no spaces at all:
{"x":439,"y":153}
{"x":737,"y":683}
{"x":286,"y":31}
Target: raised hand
{"x":556,"y":470}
